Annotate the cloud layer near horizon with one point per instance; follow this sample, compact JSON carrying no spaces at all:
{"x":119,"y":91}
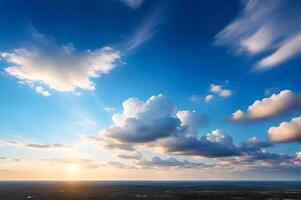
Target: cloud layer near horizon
{"x":36,"y":145}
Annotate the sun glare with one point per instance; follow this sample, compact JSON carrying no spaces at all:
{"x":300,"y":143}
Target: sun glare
{"x":73,"y":169}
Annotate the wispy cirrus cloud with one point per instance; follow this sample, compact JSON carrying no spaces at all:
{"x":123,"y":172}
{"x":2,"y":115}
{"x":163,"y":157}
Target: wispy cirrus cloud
{"x":265,"y":26}
{"x":146,"y":30}
{"x":133,"y":4}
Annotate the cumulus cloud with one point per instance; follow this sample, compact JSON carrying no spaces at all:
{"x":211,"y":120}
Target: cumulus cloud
{"x":277,"y":104}
{"x":36,"y":145}
{"x":254,"y":144}
{"x":191,"y":121}
{"x":146,"y":30}
{"x":214,"y":144}
{"x":271,"y":25}
{"x":157,"y":123}
{"x":142,"y":122}
{"x":286,"y":131}
{"x":58,"y":67}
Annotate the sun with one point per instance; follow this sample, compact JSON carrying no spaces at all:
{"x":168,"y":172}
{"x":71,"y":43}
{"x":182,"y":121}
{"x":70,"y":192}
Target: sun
{"x":73,"y":169}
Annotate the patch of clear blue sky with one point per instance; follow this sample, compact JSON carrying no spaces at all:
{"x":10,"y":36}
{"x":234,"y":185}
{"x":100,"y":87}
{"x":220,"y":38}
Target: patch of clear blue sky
{"x":178,"y":61}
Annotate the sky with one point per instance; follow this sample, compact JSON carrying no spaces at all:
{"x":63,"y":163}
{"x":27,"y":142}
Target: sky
{"x":149,"y":89}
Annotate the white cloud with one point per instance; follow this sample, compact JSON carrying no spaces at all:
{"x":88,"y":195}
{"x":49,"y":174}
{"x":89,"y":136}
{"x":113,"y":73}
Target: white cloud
{"x":286,"y":131}
{"x":270,"y":25}
{"x":298,"y":155}
{"x":225,"y":93}
{"x":209,"y":98}
{"x":215,"y":88}
{"x":258,"y":42}
{"x":219,"y":90}
{"x":275,"y":105}
{"x":43,"y":92}
{"x":59,"y":67}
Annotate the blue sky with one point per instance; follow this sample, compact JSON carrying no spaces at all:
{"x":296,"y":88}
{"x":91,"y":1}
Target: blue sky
{"x":158,"y":82}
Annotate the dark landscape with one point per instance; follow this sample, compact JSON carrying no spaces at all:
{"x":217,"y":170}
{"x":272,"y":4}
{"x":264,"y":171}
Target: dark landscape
{"x":253,"y":190}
